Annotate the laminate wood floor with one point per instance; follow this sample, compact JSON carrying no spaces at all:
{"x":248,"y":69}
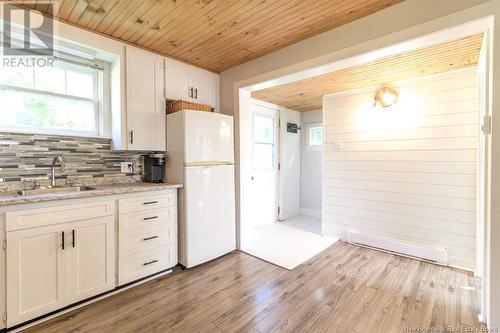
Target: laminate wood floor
{"x":344,"y":289}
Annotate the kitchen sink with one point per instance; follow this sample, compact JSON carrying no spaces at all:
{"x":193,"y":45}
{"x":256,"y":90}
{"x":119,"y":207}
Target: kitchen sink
{"x":58,"y":189}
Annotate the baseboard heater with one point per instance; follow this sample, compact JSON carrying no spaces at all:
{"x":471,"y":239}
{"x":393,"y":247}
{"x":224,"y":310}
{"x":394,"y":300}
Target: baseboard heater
{"x":436,"y":255}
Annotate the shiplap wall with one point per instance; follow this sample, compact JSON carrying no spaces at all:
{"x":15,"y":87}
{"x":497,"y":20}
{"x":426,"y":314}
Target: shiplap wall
{"x":407,"y":172}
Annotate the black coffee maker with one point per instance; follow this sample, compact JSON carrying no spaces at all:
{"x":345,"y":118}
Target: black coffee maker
{"x":154,"y":165}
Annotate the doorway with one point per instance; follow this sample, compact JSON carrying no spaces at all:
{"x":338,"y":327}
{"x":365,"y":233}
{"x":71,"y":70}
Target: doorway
{"x":300,"y":169}
{"x":273,"y":228}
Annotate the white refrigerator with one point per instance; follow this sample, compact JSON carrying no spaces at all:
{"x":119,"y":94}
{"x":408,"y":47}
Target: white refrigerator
{"x":200,"y":155}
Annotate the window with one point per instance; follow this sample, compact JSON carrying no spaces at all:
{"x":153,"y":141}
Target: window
{"x":263,"y":142}
{"x":65,"y":98}
{"x":315,"y":134}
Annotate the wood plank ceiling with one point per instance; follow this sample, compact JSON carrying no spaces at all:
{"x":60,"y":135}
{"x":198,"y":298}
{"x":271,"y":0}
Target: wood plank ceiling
{"x":213,"y":34}
{"x":307,"y":94}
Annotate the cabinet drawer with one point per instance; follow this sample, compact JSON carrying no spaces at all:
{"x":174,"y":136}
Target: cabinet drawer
{"x":154,"y":217}
{"x":135,"y":241}
{"x":30,"y":218}
{"x":146,"y":263}
{"x":146,"y":202}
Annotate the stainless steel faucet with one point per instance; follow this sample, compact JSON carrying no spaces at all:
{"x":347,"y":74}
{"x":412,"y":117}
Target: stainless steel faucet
{"x":53,"y":170}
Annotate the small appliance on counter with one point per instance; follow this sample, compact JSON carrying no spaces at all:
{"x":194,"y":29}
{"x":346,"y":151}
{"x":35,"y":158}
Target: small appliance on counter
{"x":154,"y":165}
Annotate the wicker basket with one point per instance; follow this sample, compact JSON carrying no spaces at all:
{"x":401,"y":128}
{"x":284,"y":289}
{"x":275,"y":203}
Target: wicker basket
{"x":185,"y":105}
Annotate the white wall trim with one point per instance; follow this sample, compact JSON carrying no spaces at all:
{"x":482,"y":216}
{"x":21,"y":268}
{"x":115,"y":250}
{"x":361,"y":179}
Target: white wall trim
{"x":437,"y":255}
{"x":310,"y":212}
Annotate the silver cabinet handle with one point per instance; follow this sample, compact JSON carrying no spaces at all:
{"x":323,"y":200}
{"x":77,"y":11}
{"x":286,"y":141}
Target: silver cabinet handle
{"x":150,"y":238}
{"x":131,"y":137}
{"x":150,"y":262}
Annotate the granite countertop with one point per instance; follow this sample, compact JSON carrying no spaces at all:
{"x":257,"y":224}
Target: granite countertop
{"x":11,"y":198}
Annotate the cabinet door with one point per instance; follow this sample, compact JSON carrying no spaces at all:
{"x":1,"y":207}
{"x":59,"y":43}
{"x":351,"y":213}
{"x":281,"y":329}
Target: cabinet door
{"x":204,"y":85}
{"x":177,"y":81}
{"x":161,"y":112}
{"x":145,"y":100}
{"x":36,"y":273}
{"x":91,"y":264}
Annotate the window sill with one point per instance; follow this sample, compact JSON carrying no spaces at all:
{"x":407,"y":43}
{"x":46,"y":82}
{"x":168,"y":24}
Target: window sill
{"x":54,"y":133}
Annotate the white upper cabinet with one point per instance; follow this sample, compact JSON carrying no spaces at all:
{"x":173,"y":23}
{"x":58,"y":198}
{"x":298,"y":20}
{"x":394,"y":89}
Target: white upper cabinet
{"x":191,"y":84}
{"x":204,"y":86}
{"x":145,"y":116}
{"x":177,"y":80}
{"x":149,"y":81}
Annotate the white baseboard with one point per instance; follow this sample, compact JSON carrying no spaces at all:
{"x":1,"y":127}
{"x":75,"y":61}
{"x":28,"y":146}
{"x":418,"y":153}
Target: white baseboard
{"x":437,"y":255}
{"x":310,"y":212}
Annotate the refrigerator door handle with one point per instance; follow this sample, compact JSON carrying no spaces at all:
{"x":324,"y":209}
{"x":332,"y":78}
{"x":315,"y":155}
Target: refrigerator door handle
{"x":207,"y":163}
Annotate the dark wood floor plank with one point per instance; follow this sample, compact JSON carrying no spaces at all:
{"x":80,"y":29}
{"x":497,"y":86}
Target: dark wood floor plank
{"x":344,"y":289}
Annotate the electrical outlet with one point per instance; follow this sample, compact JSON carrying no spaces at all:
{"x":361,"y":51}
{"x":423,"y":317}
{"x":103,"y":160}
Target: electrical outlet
{"x":126,"y":167}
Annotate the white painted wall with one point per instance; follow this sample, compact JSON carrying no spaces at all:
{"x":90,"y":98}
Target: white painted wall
{"x":311,"y":168}
{"x":290,"y":159}
{"x":407,"y":172}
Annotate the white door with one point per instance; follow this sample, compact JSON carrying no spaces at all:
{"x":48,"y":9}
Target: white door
{"x":92,"y":259}
{"x":177,"y":80}
{"x":289,"y":161}
{"x":203,"y":84}
{"x":145,"y":100}
{"x":208,"y":137}
{"x":37,"y":281}
{"x":210,"y":229}
{"x":263,"y":181}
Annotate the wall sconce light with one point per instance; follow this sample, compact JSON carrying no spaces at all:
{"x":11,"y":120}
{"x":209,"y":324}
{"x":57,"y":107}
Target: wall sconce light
{"x":385,"y":96}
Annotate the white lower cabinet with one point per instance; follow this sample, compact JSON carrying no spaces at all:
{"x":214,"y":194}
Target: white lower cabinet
{"x":147,"y":235}
{"x":58,"y":254}
{"x":145,"y":263}
{"x":51,"y":266}
{"x":92,"y":260}
{"x":37,"y":282}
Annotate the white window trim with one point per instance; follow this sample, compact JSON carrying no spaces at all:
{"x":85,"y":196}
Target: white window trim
{"x":308,"y":127}
{"x":102,"y":109}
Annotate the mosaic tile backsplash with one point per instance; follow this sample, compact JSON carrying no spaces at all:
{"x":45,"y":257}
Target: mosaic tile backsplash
{"x":89,"y":161}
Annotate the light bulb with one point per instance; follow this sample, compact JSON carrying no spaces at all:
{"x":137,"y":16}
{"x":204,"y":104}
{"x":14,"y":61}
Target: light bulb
{"x":385,"y":96}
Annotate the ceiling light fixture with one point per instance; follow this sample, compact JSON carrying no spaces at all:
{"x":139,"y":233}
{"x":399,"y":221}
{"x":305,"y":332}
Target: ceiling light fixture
{"x":385,"y":96}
